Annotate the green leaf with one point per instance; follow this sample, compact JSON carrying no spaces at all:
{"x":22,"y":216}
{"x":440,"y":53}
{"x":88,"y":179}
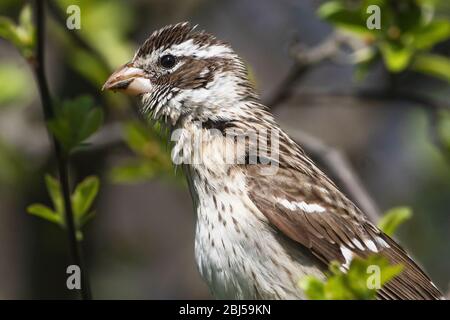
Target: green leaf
{"x":352,"y":20}
{"x":62,"y":132}
{"x":54,"y":190}
{"x":26,"y":18}
{"x":45,"y":213}
{"x":313,"y":287}
{"x":429,"y":35}
{"x":396,"y":57}
{"x":393,"y":219}
{"x":432,"y":64}
{"x":8,"y":30}
{"x":83,"y":196}
{"x":91,"y":123}
{"x":75,"y":121}
{"x":86,"y":218}
{"x":337,"y":288}
{"x":81,"y":202}
{"x":21,"y":35}
{"x":355,"y":283}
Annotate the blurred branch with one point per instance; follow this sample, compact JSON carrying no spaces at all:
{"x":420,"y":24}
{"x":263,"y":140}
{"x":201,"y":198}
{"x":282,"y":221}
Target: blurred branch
{"x":62,"y":159}
{"x":305,"y":59}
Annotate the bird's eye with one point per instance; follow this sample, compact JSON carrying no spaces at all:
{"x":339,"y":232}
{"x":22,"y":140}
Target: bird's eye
{"x":168,"y":61}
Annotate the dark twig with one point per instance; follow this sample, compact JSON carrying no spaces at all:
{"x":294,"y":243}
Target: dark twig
{"x":305,"y":59}
{"x":61,"y":158}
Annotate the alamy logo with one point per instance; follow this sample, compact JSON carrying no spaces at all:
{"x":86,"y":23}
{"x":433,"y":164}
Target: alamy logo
{"x":374,"y":20}
{"x":374,"y":280}
{"x":73,"y":281}
{"x":74,"y":19}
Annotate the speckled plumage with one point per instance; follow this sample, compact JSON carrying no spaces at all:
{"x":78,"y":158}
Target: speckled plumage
{"x":258,"y":230}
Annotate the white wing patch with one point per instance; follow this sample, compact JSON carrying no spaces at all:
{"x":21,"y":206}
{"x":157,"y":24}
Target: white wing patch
{"x":371,"y":245}
{"x":302,"y":205}
{"x":358,"y":244}
{"x":383,"y":243}
{"x":348,"y":256}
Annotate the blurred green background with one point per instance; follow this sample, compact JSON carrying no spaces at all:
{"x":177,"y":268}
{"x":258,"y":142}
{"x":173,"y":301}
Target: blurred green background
{"x":383,"y":99}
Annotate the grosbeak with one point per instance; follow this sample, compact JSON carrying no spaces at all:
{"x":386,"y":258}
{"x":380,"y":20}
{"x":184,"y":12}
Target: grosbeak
{"x":266,"y":214}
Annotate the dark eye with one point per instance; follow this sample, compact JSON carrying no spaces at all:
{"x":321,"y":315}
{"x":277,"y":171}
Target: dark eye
{"x":168,"y":61}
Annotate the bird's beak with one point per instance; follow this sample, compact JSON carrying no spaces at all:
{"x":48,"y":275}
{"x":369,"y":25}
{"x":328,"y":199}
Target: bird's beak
{"x":130,"y":80}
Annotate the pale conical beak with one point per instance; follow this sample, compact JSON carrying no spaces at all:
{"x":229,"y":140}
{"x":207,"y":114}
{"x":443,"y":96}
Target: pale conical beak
{"x":130,"y":80}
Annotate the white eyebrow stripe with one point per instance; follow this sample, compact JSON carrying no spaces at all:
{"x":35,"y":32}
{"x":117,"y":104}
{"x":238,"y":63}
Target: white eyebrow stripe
{"x":188,"y":48}
{"x":302,"y":205}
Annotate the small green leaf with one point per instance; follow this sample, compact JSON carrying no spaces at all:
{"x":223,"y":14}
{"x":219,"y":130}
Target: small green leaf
{"x":432,"y":64}
{"x":45,"y":213}
{"x":83,"y":196}
{"x":393,"y":219}
{"x":389,"y":272}
{"x":60,"y":128}
{"x":352,"y":20}
{"x":429,"y":35}
{"x":354,"y":283}
{"x":86,"y":218}
{"x":313,"y":287}
{"x":8,"y":30}
{"x":54,"y":190}
{"x":21,"y":35}
{"x":92,"y":122}
{"x":26,"y":18}
{"x":81,"y":201}
{"x":337,"y":288}
{"x":396,"y":57}
{"x":75,"y":121}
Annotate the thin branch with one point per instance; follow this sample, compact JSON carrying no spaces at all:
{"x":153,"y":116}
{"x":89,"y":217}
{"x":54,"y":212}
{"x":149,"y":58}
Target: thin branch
{"x":305,"y":59}
{"x":61,"y":158}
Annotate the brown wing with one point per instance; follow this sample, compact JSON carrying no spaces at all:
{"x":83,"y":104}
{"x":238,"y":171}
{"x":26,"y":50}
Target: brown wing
{"x":312,"y":212}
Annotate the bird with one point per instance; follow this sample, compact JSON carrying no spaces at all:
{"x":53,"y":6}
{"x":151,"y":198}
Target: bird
{"x":266,"y":215}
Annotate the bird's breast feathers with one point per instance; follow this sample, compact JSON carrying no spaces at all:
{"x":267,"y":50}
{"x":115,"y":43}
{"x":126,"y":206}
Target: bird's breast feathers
{"x":237,"y":252}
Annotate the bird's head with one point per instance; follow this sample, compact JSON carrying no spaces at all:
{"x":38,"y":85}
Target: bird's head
{"x":179,"y":72}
